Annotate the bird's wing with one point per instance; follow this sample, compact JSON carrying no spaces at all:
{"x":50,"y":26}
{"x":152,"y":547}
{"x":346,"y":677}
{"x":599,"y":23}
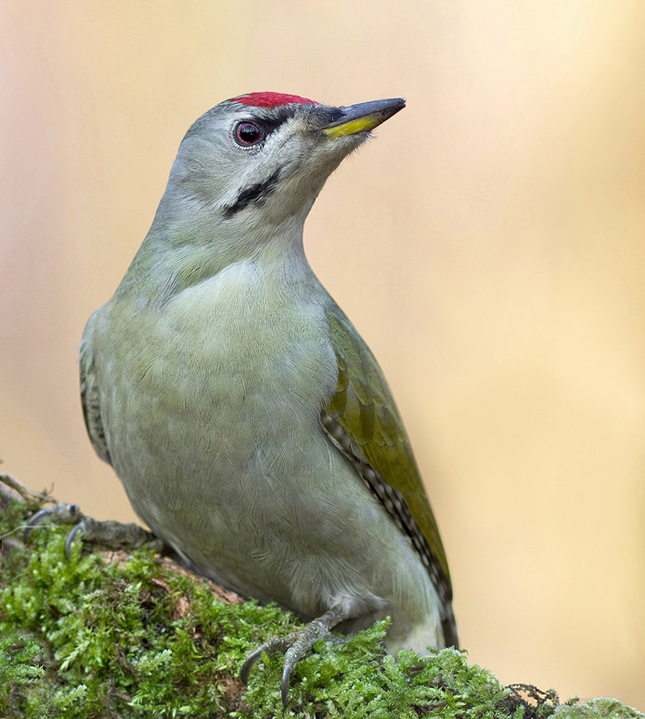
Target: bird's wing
{"x":90,"y":395}
{"x":363,"y":422}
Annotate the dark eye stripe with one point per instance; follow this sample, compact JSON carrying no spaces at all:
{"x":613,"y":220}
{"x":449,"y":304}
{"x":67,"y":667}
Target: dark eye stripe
{"x":265,"y":126}
{"x":278,"y":117}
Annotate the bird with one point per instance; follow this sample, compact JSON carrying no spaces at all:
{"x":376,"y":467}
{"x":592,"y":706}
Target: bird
{"x":249,"y":423}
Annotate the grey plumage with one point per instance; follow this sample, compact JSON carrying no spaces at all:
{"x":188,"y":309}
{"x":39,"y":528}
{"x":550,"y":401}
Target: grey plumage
{"x":250,"y":425}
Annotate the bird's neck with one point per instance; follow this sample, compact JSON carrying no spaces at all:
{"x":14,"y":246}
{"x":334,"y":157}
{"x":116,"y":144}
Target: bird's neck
{"x":172,"y":259}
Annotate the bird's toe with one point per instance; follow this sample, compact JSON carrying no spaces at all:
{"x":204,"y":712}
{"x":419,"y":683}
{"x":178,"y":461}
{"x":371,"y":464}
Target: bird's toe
{"x":62,"y":513}
{"x":296,"y":646}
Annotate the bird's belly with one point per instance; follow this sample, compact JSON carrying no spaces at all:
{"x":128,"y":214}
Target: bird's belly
{"x":236,"y":474}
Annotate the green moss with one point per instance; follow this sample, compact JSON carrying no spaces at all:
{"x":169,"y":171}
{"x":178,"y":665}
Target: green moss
{"x":598,"y":708}
{"x":115,"y":635}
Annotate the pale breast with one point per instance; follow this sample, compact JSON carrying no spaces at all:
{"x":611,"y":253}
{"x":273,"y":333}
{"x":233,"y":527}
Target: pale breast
{"x":238,"y":364}
{"x":249,"y":341}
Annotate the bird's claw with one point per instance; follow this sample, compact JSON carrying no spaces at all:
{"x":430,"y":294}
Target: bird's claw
{"x":73,"y":533}
{"x":108,"y":533}
{"x":63,"y":513}
{"x":291,"y":658}
{"x":249,"y":662}
{"x":284,"y":684}
{"x":273,"y":646}
{"x":295,"y":645}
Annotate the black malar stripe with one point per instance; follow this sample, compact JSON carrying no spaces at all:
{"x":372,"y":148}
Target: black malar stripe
{"x":257,"y":194}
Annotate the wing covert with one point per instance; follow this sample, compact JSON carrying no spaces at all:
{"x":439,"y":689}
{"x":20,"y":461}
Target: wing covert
{"x":90,"y":396}
{"x":366,"y":425}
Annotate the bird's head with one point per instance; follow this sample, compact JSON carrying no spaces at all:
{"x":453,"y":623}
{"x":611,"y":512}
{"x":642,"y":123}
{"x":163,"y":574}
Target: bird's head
{"x":259,"y":160}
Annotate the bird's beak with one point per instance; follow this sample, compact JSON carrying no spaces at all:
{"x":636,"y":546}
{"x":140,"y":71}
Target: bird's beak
{"x":363,"y":117}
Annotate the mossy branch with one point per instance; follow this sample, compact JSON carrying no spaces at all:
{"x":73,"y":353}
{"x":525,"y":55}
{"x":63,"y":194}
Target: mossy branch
{"x":131,"y":634}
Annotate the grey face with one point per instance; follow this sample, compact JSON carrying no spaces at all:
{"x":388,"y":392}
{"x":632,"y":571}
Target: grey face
{"x":239,"y":157}
{"x":236,"y":160}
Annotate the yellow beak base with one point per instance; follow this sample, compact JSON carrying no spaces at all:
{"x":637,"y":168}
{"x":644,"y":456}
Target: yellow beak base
{"x":361,"y":124}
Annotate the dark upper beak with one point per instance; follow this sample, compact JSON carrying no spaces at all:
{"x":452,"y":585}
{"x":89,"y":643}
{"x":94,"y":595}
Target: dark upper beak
{"x":362,"y":117}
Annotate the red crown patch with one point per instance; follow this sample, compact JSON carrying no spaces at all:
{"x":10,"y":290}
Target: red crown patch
{"x":271,"y":99}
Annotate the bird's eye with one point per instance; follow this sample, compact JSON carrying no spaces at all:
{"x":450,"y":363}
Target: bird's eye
{"x":247,"y":133}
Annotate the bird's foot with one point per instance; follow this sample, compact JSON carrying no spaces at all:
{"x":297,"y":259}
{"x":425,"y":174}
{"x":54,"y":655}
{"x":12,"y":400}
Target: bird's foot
{"x":108,"y":533}
{"x":296,"y":646}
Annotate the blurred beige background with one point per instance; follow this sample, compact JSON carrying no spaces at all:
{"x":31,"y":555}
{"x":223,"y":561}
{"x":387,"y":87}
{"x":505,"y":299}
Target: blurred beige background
{"x":489,"y":245}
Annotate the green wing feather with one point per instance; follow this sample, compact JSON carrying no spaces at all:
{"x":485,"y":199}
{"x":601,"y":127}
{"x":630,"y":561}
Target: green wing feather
{"x":90,"y":395}
{"x":364,"y":407}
